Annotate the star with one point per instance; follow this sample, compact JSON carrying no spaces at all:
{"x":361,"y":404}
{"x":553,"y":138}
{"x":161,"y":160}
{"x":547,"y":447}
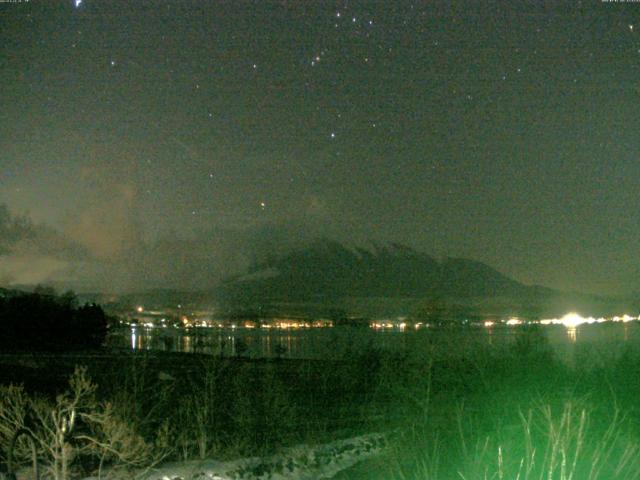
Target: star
{"x":78,"y":3}
{"x":333,"y":134}
{"x":631,"y":27}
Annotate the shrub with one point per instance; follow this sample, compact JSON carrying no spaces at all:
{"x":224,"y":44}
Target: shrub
{"x":72,"y":433}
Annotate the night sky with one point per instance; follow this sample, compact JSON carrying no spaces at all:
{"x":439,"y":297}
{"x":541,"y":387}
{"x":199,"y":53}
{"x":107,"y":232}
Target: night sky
{"x":162,"y":143}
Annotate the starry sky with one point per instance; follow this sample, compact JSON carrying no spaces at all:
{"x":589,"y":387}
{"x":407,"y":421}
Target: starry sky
{"x":161,"y":142}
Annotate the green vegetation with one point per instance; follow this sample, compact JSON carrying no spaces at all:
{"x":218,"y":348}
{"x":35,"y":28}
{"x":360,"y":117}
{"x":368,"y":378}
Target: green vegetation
{"x":513,"y":412}
{"x":207,"y":406}
{"x":521,"y":414}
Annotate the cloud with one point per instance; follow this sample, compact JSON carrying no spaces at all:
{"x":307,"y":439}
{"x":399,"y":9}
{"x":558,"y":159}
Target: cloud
{"x":104,"y":218}
{"x":31,"y":253}
{"x":106,"y":226}
{"x":102,"y":250}
{"x":29,"y":270}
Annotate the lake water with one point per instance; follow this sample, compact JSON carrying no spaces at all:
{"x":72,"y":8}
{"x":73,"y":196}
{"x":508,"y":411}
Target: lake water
{"x":600,"y":340}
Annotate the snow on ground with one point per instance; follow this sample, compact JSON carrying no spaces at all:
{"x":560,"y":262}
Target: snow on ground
{"x":299,"y":463}
{"x":304,"y":462}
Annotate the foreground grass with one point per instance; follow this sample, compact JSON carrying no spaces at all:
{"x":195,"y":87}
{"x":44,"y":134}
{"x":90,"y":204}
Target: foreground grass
{"x":178,"y":407}
{"x":487,"y":413}
{"x":529,"y":417}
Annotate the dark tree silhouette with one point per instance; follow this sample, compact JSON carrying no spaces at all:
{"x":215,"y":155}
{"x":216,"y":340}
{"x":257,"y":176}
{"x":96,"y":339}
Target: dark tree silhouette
{"x":47,"y":322}
{"x":241,"y":347}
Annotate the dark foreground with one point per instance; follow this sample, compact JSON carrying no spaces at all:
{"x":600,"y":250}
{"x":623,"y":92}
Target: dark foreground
{"x":491,"y":413}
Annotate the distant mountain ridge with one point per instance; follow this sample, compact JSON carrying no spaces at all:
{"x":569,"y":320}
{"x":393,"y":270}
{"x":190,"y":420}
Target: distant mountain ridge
{"x":328,"y":270}
{"x":370,"y":280}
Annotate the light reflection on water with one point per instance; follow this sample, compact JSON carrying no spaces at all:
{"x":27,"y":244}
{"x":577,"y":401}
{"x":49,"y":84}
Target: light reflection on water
{"x":345,"y":342}
{"x":572,"y":334}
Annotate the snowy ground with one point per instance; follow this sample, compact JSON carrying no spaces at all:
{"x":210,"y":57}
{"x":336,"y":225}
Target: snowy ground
{"x":299,"y":463}
{"x":303,"y":462}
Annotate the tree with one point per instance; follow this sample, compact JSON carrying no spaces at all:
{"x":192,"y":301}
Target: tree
{"x":44,"y":290}
{"x":69,"y":299}
{"x":279,"y":350}
{"x":71,"y":430}
{"x":433,"y":310}
{"x":241,"y":347}
{"x":438,"y":310}
{"x":45,"y":322}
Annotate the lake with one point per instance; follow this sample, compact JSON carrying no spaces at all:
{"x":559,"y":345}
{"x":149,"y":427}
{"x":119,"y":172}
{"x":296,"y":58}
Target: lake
{"x":600,"y":340}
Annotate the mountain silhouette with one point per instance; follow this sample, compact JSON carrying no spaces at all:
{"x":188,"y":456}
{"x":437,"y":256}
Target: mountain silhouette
{"x":328,"y":270}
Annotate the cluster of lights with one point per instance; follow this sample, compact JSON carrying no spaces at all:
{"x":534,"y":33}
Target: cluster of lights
{"x":382,"y":325}
{"x":285,"y":324}
{"x":511,"y":322}
{"x":573,"y":320}
{"x":570,"y":320}
{"x":196,"y":321}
